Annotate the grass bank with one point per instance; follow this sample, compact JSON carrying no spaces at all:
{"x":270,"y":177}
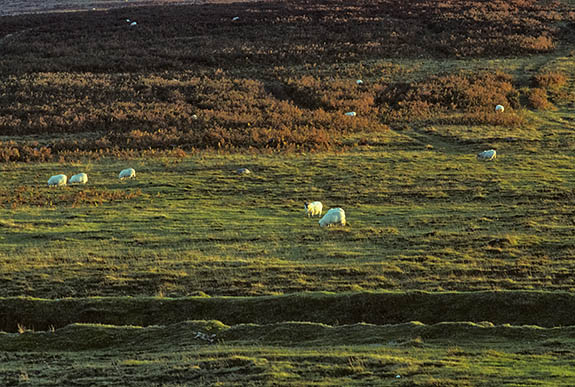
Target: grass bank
{"x":547,"y":309}
{"x":291,"y":354}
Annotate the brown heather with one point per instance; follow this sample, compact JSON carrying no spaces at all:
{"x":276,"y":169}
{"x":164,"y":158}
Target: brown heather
{"x":281,"y":78}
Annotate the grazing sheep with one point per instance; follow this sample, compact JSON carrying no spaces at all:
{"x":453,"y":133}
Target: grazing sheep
{"x":243,"y":171}
{"x":351,"y":114}
{"x":489,"y":154}
{"x":128,"y":173}
{"x":57,"y":180}
{"x":133,"y":24}
{"x":80,"y":178}
{"x":499,"y":109}
{"x":236,"y":18}
{"x":359,"y":82}
{"x":333,"y":216}
{"x":313,"y":208}
{"x":128,"y":21}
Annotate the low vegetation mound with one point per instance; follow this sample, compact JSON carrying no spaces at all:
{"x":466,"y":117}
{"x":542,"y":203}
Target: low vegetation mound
{"x":198,"y":332}
{"x":546,"y":309}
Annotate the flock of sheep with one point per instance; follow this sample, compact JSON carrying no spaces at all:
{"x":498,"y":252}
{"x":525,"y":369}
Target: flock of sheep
{"x":335,"y":216}
{"x":82,"y":178}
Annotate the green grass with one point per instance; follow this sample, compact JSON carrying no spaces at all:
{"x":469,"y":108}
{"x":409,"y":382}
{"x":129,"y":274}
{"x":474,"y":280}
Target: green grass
{"x":457,"y":354}
{"x":419,"y":219}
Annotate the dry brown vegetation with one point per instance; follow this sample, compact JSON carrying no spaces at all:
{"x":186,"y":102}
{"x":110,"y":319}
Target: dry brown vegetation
{"x":92,"y":113}
{"x":432,"y":98}
{"x":280,"y":33}
{"x":189,"y":77}
{"x":550,"y":80}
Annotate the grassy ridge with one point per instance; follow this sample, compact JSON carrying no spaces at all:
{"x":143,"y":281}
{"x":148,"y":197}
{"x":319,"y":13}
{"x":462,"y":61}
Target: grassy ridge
{"x":412,"y":354}
{"x":546,"y":309}
{"x":301,"y":334}
{"x":310,"y":334}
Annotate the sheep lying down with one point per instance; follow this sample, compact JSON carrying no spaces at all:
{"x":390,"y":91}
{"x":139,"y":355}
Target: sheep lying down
{"x":335,"y":216}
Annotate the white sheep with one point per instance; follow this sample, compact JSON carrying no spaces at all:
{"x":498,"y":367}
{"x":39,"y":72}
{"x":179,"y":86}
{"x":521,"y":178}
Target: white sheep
{"x":236,"y":18}
{"x":313,"y":208}
{"x":499,"y":109}
{"x":335,"y":216}
{"x":359,"y":82}
{"x":133,"y":24}
{"x":351,"y":114}
{"x":57,"y":180}
{"x":80,"y":178}
{"x":489,"y":154}
{"x":243,"y":171}
{"x":128,"y":173}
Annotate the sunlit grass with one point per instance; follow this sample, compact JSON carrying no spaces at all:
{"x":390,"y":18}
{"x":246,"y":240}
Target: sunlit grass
{"x":416,"y":217}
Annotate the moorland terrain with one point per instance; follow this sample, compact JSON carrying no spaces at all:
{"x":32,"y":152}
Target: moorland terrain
{"x":452,"y":271}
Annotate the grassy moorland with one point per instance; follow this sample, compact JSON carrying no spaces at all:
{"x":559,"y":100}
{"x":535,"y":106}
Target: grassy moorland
{"x":419,"y":219}
{"x":482,"y":253}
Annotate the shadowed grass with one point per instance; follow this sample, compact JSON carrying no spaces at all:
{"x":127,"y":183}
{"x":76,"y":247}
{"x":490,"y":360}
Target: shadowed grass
{"x":414,"y":354}
{"x":515,"y":307}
